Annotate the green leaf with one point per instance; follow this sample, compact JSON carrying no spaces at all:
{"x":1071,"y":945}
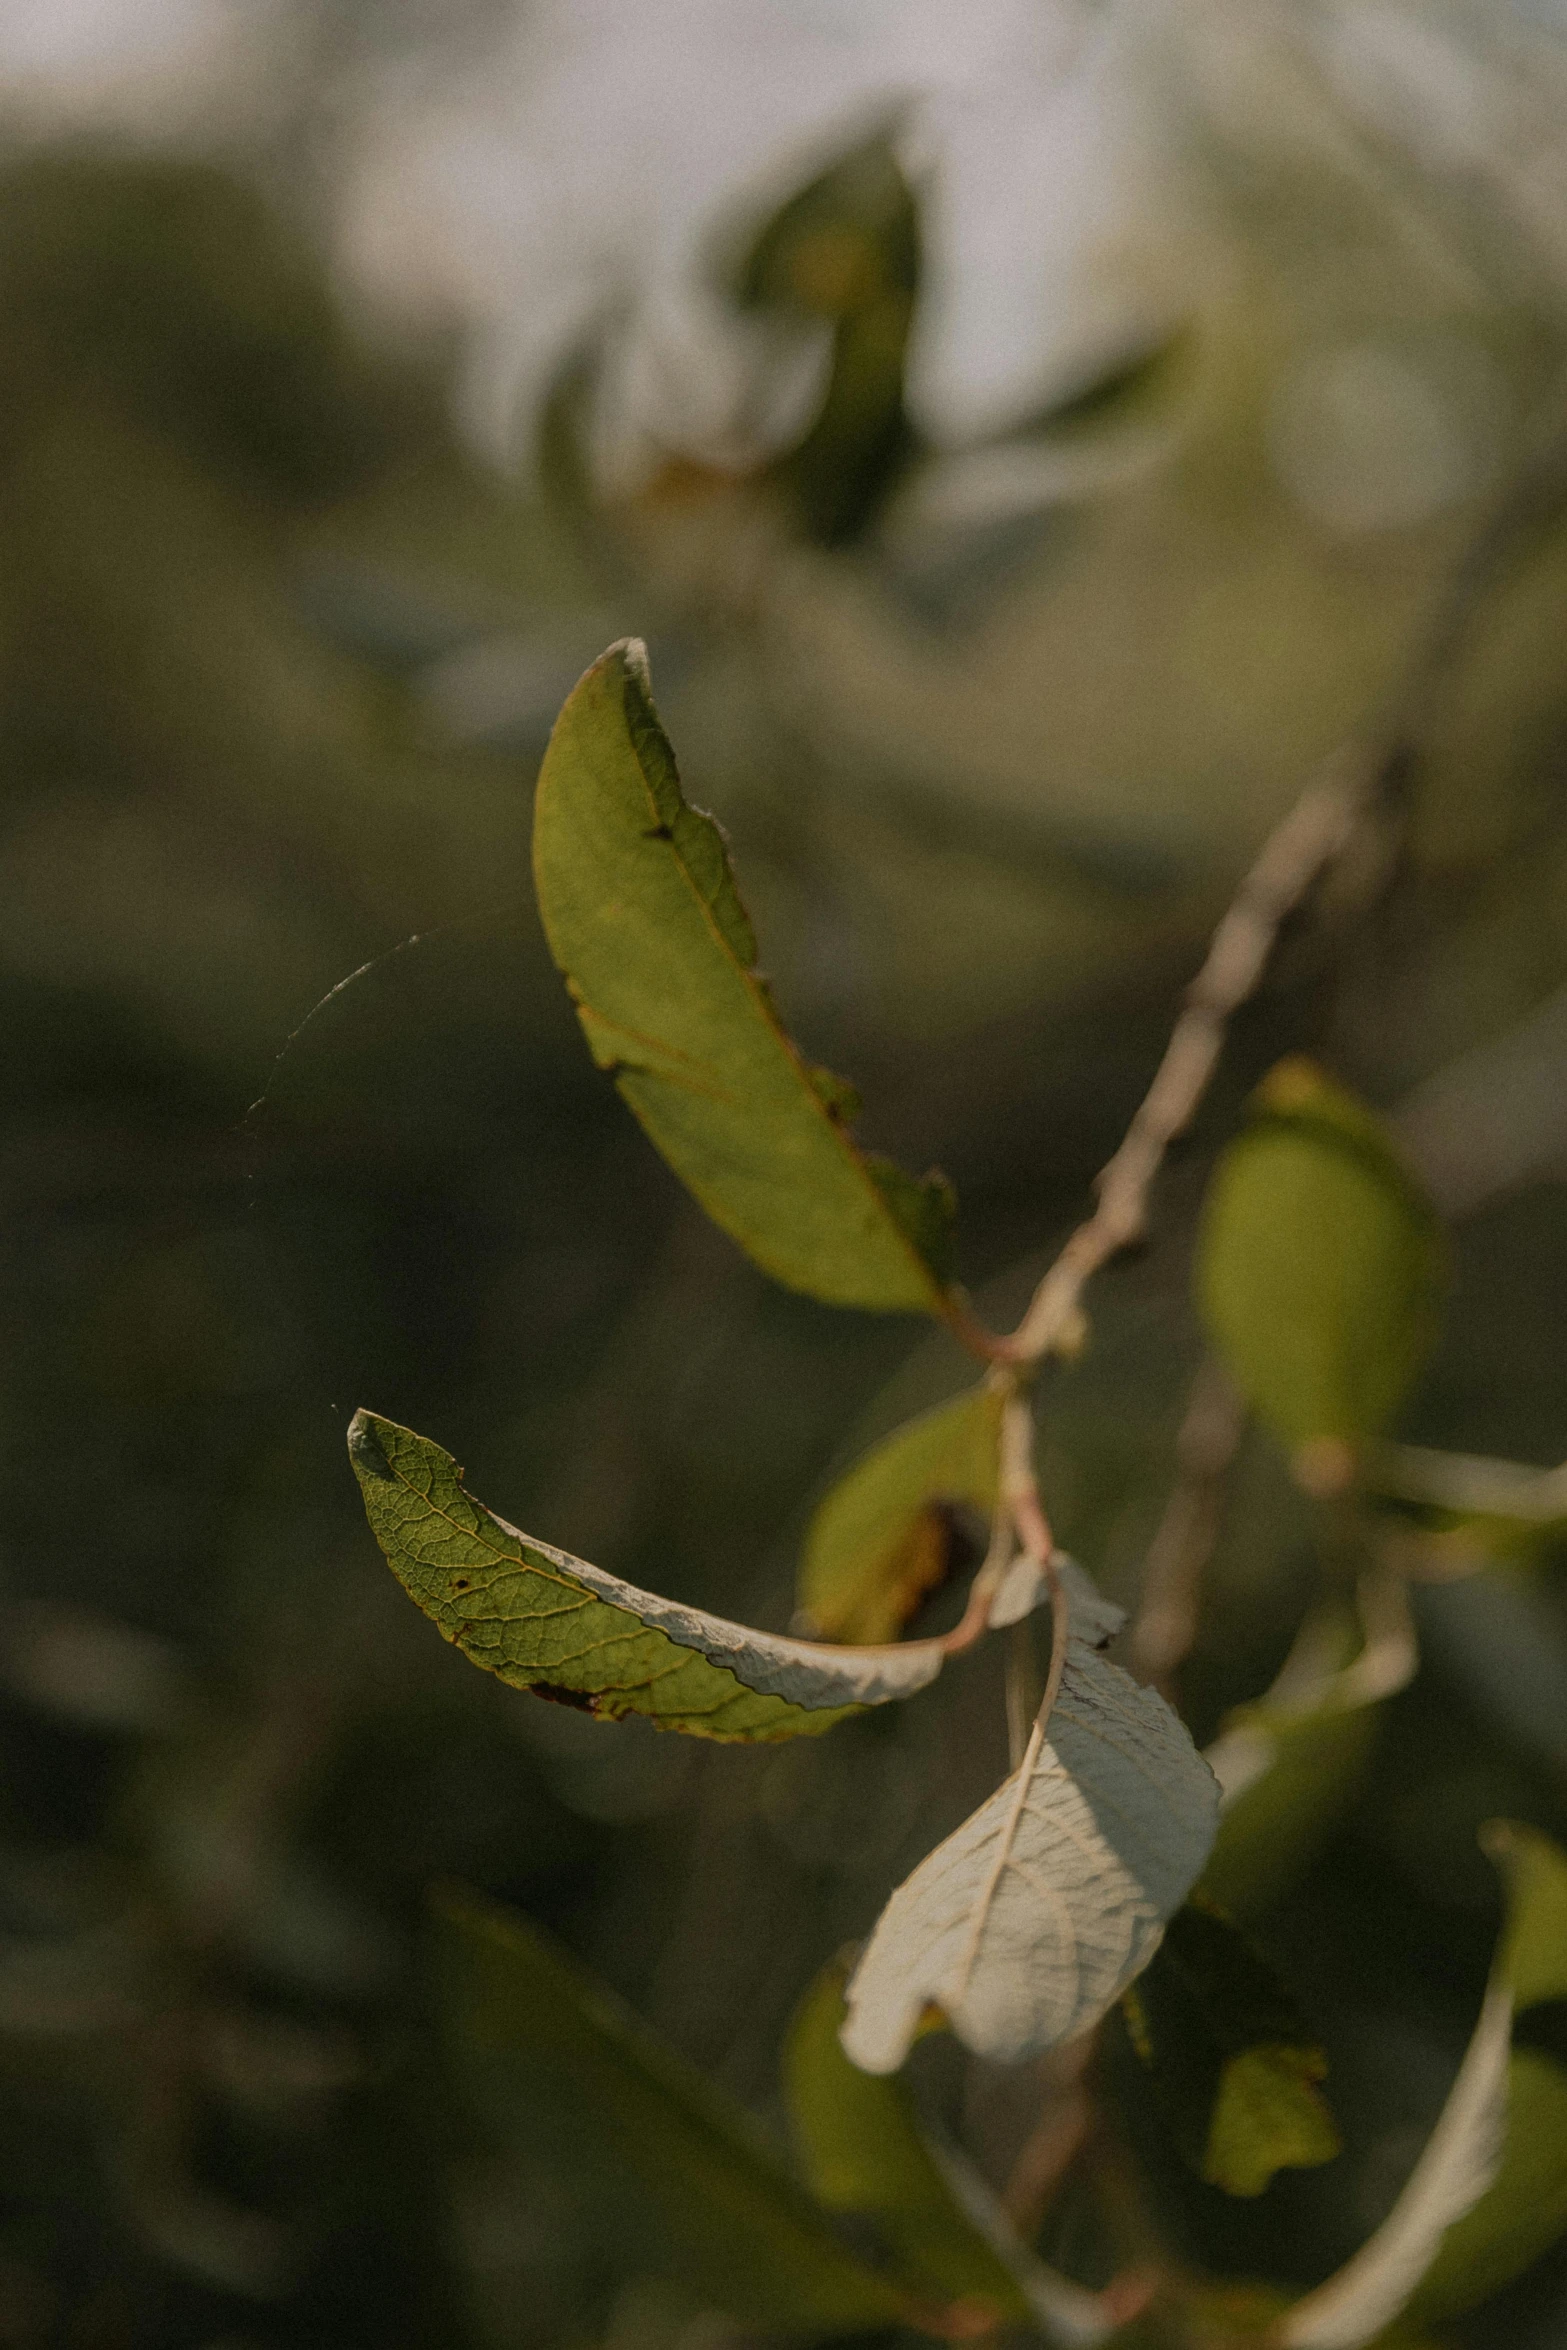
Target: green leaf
{"x":867,"y":2155}
{"x":541,"y":1619}
{"x":1320,"y":1270}
{"x":1290,"y":1765}
{"x":878,"y":1542}
{"x":1229,"y":2058}
{"x":642,"y":916}
{"x":1489,"y":2192}
{"x":677,"y":2177}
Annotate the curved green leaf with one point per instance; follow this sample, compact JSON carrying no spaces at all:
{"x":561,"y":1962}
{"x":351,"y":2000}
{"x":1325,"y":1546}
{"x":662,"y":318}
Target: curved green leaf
{"x":1228,"y":2056}
{"x":878,"y":1543}
{"x":642,"y":916}
{"x":865,"y":2153}
{"x":541,"y":1619}
{"x":1489,"y":2192}
{"x":1289,"y":1765}
{"x":678,"y":2179}
{"x":1320,"y":1268}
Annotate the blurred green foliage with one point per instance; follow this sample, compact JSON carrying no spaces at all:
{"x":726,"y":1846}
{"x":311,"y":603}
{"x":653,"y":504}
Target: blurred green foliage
{"x":246,"y":564}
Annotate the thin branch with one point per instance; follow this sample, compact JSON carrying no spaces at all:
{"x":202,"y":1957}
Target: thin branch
{"x":1470,"y":1485}
{"x":1165,"y":1624}
{"x":1047,"y":2153}
{"x":1347,"y":818}
{"x":1314,"y":833}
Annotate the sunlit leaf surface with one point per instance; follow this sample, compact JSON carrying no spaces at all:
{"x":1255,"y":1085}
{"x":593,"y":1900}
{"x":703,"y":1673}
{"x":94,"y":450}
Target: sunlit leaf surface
{"x":879,"y":1542}
{"x":643,"y":917}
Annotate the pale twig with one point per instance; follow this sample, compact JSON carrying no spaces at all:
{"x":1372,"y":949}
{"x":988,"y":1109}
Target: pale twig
{"x":1470,"y":1485}
{"x":1295,"y":855}
{"x":1165,"y":1624}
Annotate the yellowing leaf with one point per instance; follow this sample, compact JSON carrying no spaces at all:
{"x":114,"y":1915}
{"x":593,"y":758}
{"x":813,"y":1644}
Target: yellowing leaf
{"x":1489,"y":2192}
{"x":1228,"y":2056}
{"x":1031,"y":1918}
{"x":541,"y":1619}
{"x":678,"y":2179}
{"x":1320,"y":1267}
{"x":642,"y":915}
{"x":865,"y":2153}
{"x":1289,"y":1765}
{"x":1268,"y":2116}
{"x":877,"y":1543}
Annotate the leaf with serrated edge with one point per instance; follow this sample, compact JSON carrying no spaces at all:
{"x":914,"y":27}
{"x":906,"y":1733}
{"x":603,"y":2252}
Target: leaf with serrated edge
{"x":1289,"y":1765}
{"x":1033,"y":1917}
{"x":1458,"y":2230}
{"x":862,"y":1574}
{"x":677,"y":2177}
{"x":866,"y":2152}
{"x":539,"y":1618}
{"x":643,"y":918}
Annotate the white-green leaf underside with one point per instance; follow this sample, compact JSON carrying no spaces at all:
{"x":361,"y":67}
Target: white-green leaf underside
{"x":1030,"y":1920}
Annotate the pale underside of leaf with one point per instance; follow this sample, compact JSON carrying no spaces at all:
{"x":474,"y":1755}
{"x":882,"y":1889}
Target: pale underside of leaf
{"x":537,"y":1617}
{"x":1032,"y":1918}
{"x":643,"y":918}
{"x":1454,"y":2170}
{"x":1460,"y":2182}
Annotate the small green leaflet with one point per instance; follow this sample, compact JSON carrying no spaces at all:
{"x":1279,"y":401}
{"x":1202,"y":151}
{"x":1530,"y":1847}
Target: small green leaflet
{"x":1289,"y":1765}
{"x":642,"y":916}
{"x":1489,"y":2192}
{"x":1032,"y":1918}
{"x":541,"y":1619}
{"x":1320,"y":1269}
{"x":878,"y":1543}
{"x":1231,"y":2064}
{"x":676,"y":2177}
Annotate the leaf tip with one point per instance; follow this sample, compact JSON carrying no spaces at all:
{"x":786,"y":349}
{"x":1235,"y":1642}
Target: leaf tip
{"x":365,"y":1448}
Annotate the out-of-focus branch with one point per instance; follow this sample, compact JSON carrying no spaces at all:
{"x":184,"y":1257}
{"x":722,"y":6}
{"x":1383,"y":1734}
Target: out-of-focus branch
{"x":1472,"y":1486}
{"x":1165,"y":1624}
{"x":1312,"y":836}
